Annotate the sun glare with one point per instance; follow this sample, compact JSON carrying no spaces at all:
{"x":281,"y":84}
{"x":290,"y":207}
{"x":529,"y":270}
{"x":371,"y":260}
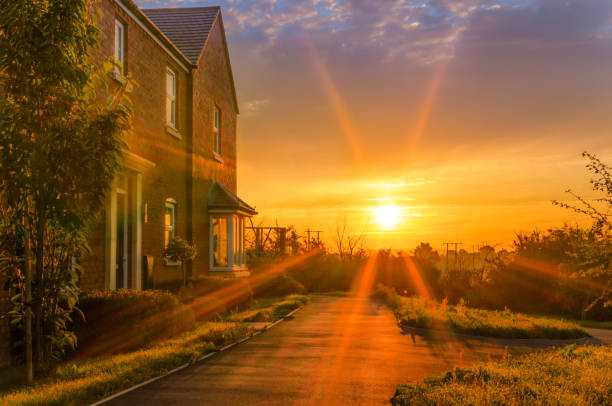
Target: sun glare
{"x":387,"y":216}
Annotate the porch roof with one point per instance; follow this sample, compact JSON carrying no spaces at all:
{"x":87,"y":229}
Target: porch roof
{"x":222,"y":200}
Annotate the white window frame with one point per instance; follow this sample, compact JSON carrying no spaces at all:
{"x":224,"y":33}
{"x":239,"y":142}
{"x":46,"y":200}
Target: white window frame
{"x":119,"y":55}
{"x":171,"y":98}
{"x":235,"y":261}
{"x":217,"y":130}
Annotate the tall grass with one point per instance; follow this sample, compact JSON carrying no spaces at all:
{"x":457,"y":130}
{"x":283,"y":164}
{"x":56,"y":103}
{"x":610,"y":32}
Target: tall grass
{"x":423,"y":313}
{"x":567,"y":376}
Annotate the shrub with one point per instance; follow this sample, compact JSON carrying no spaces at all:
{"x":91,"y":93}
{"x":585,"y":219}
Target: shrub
{"x":209,"y":297}
{"x":568,"y":376}
{"x":278,"y":285}
{"x":121,"y":320}
{"x":425,"y":313}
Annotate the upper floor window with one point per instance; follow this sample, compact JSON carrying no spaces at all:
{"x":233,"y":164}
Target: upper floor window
{"x":170,"y":97}
{"x":169,"y":221}
{"x":119,"y":47}
{"x":217,"y":130}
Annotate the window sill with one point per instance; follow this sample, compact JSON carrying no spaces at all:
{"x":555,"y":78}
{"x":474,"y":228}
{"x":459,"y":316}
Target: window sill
{"x":118,"y":77}
{"x":217,"y":157}
{"x":173,"y":132}
{"x":169,"y":262}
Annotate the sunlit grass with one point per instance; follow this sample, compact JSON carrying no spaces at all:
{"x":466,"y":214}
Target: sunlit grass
{"x":596,"y":324}
{"x":86,"y":381}
{"x":428,"y":314}
{"x":269,"y":310}
{"x":567,"y":376}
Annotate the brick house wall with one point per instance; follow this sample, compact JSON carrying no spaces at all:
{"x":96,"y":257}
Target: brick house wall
{"x":186,"y":167}
{"x":212,"y":87}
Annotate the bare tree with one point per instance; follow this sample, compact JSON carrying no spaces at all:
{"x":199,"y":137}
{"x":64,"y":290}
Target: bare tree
{"x":347,"y":242}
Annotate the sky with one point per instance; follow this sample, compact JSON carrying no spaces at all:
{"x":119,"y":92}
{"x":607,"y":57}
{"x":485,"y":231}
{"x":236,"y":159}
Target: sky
{"x":467,"y":117}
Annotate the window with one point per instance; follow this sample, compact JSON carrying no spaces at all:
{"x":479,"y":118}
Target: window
{"x":169,"y":221}
{"x":170,"y":98}
{"x":119,"y":47}
{"x":220,"y":241}
{"x":217,"y":130}
{"x":228,"y":242}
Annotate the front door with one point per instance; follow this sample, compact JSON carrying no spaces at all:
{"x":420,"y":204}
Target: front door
{"x":122,"y":255}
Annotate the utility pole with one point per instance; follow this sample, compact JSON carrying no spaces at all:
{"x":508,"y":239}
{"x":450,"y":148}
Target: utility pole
{"x":456,"y":244}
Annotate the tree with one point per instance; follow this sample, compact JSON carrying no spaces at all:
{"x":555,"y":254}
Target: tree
{"x":179,"y":250}
{"x":60,"y":149}
{"x":348,"y":243}
{"x":592,"y":258}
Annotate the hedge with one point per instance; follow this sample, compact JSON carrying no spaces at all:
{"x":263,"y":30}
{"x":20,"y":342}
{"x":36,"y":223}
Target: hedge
{"x":123,"y":320}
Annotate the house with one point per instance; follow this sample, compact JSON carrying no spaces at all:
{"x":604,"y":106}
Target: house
{"x":179,"y":176}
{"x":179,"y":173}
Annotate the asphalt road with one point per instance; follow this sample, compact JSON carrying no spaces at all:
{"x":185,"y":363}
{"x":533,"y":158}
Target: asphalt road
{"x":335,"y":351}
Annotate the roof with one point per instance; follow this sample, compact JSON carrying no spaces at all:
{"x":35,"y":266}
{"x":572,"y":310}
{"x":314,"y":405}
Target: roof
{"x":221,"y":199}
{"x":187,"y":28}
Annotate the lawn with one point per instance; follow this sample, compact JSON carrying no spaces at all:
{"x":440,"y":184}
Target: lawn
{"x":84,"y":382}
{"x":270,"y":310}
{"x":428,"y":314}
{"x":567,"y":376}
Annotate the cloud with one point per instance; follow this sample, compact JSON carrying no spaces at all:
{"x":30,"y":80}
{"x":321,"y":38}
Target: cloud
{"x":254,"y":107}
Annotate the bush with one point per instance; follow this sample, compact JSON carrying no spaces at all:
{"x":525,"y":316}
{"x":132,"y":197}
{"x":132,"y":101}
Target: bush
{"x":278,"y":285}
{"x":567,"y":376}
{"x":209,"y":297}
{"x":420,"y":312}
{"x":122,"y":320}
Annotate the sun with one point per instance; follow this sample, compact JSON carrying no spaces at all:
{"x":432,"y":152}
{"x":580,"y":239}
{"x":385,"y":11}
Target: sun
{"x":387,"y":216}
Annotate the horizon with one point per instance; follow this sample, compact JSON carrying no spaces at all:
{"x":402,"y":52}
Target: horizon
{"x":468,"y":117}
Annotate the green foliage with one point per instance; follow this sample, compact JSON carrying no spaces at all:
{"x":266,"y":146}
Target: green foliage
{"x":59,"y":152}
{"x":179,"y":249}
{"x":137,"y":318}
{"x":424,"y":313}
{"x":567,"y":376}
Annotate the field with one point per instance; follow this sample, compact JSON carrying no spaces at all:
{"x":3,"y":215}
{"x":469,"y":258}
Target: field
{"x":566,"y":376}
{"x":428,"y":314}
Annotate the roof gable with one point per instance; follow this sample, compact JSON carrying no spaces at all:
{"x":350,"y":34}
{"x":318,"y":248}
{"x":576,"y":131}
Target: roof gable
{"x":187,"y":28}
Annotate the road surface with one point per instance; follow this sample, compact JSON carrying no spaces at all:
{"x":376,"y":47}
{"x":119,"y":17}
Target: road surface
{"x":335,"y":351}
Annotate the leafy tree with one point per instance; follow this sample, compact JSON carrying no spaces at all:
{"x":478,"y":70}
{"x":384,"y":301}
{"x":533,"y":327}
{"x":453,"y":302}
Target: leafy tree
{"x":179,"y":250}
{"x":60,"y":148}
{"x":591,"y":258}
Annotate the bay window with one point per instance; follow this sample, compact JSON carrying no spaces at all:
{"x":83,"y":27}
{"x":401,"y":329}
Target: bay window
{"x":227,"y":242}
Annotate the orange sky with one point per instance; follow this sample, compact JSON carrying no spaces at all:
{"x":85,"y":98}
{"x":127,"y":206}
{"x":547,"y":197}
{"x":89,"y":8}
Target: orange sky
{"x":468,"y":115}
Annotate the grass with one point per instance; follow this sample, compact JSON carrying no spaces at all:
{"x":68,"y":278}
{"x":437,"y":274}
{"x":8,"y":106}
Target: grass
{"x":270,"y":310}
{"x":423,"y":313}
{"x":84,"y":382}
{"x":596,"y":324}
{"x":567,"y":376}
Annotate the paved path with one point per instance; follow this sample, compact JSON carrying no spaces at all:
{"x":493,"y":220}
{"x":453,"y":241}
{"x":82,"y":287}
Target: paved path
{"x":336,"y":351}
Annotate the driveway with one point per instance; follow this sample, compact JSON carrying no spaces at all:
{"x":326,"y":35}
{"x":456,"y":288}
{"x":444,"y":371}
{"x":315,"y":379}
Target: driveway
{"x":335,"y":351}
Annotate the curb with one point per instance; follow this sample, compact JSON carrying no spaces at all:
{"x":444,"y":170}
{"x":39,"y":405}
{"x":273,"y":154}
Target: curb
{"x":202,"y":358}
